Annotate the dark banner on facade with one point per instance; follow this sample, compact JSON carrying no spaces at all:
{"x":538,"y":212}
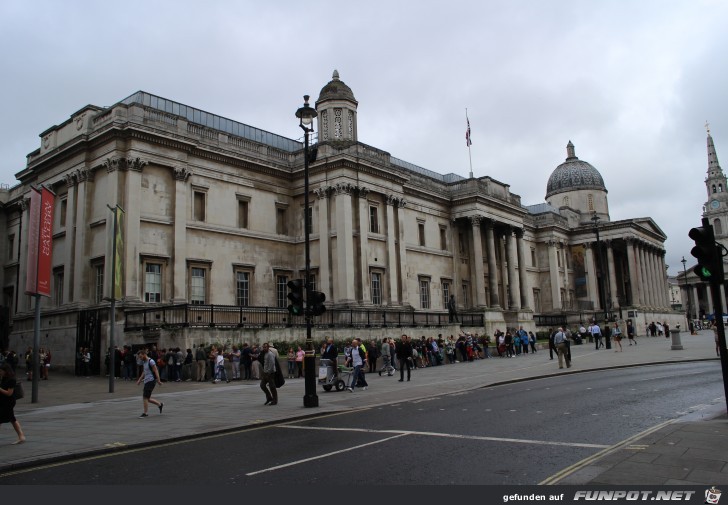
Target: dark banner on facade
{"x":577,"y":262}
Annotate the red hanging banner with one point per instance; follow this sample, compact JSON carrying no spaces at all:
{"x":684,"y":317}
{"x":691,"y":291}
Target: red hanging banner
{"x":45,"y":243}
{"x":31,"y":277}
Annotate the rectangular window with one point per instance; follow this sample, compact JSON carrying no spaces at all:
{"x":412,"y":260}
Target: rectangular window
{"x":421,"y":233}
{"x":537,"y":300}
{"x":464,"y":298}
{"x":425,"y":293}
{"x":461,"y":242}
{"x":99,"y":283}
{"x":558,"y":257}
{"x":533,"y":257}
{"x":199,"y":206}
{"x":197,"y":286}
{"x":309,"y":219}
{"x":153,"y":283}
{"x":373,"y":219}
{"x":281,"y":228}
{"x":58,"y":287}
{"x":443,"y":238}
{"x":243,"y":214}
{"x":445,"y":293}
{"x":281,"y":291}
{"x":376,"y":288}
{"x":62,"y":213}
{"x":242,"y":282}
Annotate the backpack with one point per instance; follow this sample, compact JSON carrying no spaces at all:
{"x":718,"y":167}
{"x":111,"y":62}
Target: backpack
{"x":18,"y":392}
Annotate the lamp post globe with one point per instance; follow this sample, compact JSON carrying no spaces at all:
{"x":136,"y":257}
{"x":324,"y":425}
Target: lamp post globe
{"x":306,"y":115}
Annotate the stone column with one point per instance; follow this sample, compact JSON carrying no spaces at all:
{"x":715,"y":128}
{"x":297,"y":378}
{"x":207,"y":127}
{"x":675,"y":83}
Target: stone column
{"x":656,"y":278}
{"x":133,"y":285}
{"x":70,"y":234}
{"x":523,"y":283}
{"x":364,"y":244}
{"x":477,"y":255}
{"x":663,"y":280}
{"x":709,"y":297}
{"x":392,"y":267}
{"x":401,"y":203}
{"x":492,"y":272}
{"x":513,"y":285}
{"x":80,"y":280}
{"x":722,"y":302}
{"x":554,"y":275}
{"x":644,"y":286}
{"x":23,"y":300}
{"x":696,"y":301}
{"x":634,"y":281}
{"x":456,"y":288}
{"x":592,"y":281}
{"x":653,"y":277}
{"x":503,"y":267}
{"x":612,"y":275}
{"x":345,"y":244}
{"x":181,"y":203}
{"x":567,"y":295}
{"x":323,"y":225}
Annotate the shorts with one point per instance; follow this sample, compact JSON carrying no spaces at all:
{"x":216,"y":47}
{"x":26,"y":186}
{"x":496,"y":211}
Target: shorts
{"x":148,"y":388}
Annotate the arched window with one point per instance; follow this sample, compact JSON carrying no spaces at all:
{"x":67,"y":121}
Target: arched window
{"x":720,"y":188}
{"x":717,"y":227}
{"x":713,"y":188}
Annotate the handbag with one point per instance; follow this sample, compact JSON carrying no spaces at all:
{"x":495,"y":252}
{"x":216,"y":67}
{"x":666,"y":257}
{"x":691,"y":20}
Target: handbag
{"x":278,"y":376}
{"x":18,"y":392}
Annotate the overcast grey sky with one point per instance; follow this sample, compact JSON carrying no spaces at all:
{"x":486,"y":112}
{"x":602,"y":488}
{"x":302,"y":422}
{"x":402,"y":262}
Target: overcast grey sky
{"x":630,"y":83}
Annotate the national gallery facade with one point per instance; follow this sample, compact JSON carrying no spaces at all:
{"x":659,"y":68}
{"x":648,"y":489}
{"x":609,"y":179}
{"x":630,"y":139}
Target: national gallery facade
{"x":214,"y":226}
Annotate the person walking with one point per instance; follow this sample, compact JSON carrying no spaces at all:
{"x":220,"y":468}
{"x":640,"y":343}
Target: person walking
{"x":597,"y":335}
{"x":552,"y":346}
{"x":150,"y":374}
{"x":372,"y":356}
{"x":386,"y":359}
{"x":630,"y":332}
{"x":268,"y":379}
{"x":532,"y":341}
{"x":617,"y":336}
{"x":561,"y":347}
{"x":357,"y":359}
{"x":291,"y":357}
{"x":404,"y":357}
{"x":7,"y":401}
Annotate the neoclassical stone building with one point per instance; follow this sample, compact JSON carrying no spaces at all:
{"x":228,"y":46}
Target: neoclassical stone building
{"x":214,"y":216}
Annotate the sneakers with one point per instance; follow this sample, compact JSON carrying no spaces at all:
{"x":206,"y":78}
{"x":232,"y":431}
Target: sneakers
{"x":161,"y":406}
{"x":364,"y":388}
{"x":144,"y":414}
{"x":350,"y":390}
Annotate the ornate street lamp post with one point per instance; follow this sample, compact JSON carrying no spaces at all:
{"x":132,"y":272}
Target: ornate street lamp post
{"x":605,"y":278}
{"x":687,"y":291}
{"x":306,"y":115}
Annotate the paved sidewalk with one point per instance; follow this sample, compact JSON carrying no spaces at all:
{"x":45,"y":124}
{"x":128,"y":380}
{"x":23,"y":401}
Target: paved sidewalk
{"x":77,"y":416}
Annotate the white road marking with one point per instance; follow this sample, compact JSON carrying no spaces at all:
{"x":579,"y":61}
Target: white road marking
{"x":449,"y":435}
{"x":300,"y":461}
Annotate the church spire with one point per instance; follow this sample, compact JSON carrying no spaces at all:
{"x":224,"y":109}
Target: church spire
{"x":713,"y":164}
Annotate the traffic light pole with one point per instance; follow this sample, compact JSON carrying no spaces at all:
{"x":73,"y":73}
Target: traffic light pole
{"x":717,"y":302}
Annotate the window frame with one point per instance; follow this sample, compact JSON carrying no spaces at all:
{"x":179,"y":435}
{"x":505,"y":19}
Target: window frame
{"x":424,"y":283}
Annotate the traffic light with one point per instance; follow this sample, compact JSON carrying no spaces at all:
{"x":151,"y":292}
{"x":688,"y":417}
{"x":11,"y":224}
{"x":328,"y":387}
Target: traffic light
{"x":295,"y":296}
{"x":708,"y":253}
{"x":316,"y":303}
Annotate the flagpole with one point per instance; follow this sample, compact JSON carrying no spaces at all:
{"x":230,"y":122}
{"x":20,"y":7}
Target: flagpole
{"x":470,"y":156}
{"x":112,"y":315}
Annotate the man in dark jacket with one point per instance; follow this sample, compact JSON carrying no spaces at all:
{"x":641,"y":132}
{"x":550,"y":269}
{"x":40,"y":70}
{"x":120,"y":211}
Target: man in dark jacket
{"x":404,"y":356}
{"x":331,"y":353}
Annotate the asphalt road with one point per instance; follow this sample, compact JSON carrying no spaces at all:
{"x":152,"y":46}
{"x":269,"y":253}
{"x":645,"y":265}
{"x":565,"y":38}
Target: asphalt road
{"x":520,"y":433}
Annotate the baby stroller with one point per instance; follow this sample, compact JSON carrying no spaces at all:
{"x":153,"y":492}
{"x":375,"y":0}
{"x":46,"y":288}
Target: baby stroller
{"x":329,"y":380}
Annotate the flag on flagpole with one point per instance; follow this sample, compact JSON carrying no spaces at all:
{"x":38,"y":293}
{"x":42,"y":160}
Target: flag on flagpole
{"x":468,"y":142}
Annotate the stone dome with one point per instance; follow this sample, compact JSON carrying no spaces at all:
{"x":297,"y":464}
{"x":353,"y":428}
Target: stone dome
{"x":574,"y":174}
{"x":336,"y":90}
